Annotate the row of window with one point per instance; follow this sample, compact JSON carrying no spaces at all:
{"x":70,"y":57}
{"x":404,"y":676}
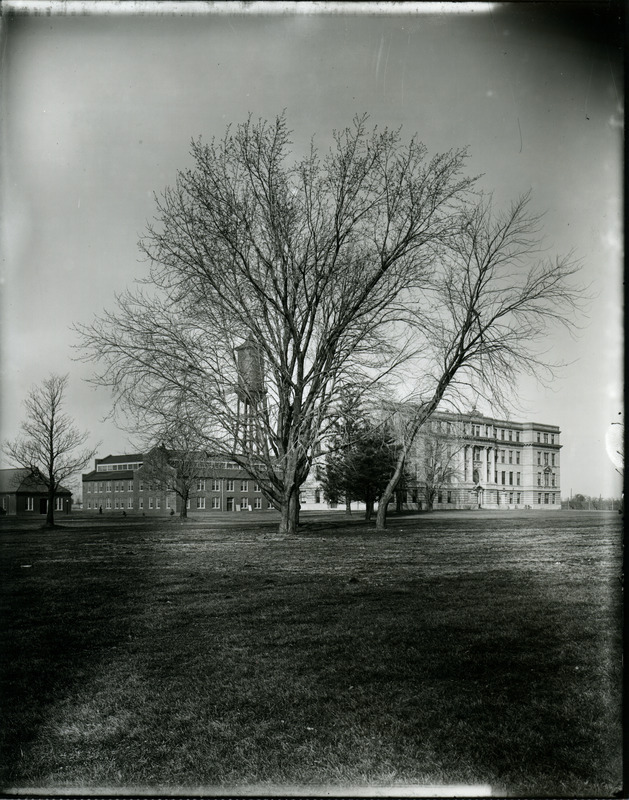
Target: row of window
{"x":119,"y":486}
{"x":118,"y":467}
{"x":30,"y":504}
{"x":155,"y":503}
{"x":548,"y":438}
{"x":546,"y":456}
{"x":548,"y":498}
{"x":547,"y":477}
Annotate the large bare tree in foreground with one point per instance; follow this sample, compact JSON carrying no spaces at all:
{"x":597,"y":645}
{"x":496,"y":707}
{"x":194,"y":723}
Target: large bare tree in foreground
{"x":494,"y":297}
{"x":49,"y":444}
{"x":315,"y":265}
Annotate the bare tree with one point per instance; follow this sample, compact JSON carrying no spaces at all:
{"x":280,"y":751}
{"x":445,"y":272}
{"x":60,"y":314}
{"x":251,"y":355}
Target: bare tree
{"x":299,"y":271}
{"x":49,"y":442}
{"x":436,"y":463}
{"x":175,"y":465}
{"x":492,"y":300}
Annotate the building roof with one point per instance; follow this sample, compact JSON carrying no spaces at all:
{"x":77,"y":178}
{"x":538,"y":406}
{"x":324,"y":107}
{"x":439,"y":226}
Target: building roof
{"x":21,"y":480}
{"x":123,"y":459}
{"x":108,"y":475}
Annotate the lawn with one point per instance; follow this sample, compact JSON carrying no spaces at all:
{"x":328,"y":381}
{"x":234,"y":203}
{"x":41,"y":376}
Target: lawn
{"x":456,"y":648}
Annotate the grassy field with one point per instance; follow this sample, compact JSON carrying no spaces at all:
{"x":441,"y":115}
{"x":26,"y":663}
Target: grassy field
{"x":456,"y":648}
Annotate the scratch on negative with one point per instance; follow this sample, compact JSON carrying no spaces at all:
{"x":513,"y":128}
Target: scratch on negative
{"x":520,"y":129}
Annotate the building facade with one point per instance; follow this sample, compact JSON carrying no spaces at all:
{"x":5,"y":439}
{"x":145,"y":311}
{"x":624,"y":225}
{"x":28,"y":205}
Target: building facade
{"x":492,"y":463}
{"x":122,"y":483}
{"x":483,"y":463}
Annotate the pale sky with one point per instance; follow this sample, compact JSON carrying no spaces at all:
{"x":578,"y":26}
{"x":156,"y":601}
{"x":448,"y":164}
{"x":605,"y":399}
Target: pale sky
{"x":98,"y":113}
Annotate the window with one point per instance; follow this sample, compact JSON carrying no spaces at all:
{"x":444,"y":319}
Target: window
{"x":150,"y":502}
{"x":141,"y":486}
{"x":517,"y":478}
{"x":553,"y":499}
{"x":517,"y":499}
{"x":168,"y":502}
{"x":29,"y":503}
{"x":244,"y":503}
{"x":141,"y":503}
{"x":502,"y":456}
{"x":510,"y":436}
{"x":552,"y":479}
{"x":517,"y":436}
{"x":552,"y":459}
{"x":546,"y":498}
{"x":158,"y":502}
{"x":257,"y":503}
{"x":229,"y":485}
{"x":201,"y":485}
{"x":130,"y":486}
{"x":545,"y":438}
{"x":108,"y":486}
{"x":130,"y":503}
{"x":539,"y":459}
{"x":89,"y":504}
{"x":510,"y":456}
{"x":545,"y":459}
{"x":216,"y":486}
{"x":539,"y":478}
{"x":510,"y":498}
{"x":108,"y":503}
{"x":503,"y":477}
{"x":257,"y":488}
{"x":244,"y":486}
{"x":517,"y":456}
{"x":200,"y":502}
{"x":89,"y":488}
{"x":100,"y":486}
{"x":511,"y":479}
{"x":502,"y":434}
{"x":552,"y":438}
{"x":539,"y":499}
{"x":269,"y":504}
{"x":116,"y":503}
{"x":216,"y":502}
{"x":317,"y":497}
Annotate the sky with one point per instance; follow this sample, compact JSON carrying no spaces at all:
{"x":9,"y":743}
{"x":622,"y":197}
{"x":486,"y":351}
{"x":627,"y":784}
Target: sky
{"x":99,"y":109}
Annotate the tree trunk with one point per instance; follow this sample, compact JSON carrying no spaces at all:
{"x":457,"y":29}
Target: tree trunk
{"x":50,"y":510}
{"x":348,"y":506}
{"x":383,"y":502}
{"x":368,"y":508}
{"x":183,"y":512}
{"x":289,"y":511}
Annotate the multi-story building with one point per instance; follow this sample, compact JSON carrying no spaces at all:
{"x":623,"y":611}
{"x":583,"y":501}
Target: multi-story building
{"x":458,"y":462}
{"x":123,"y":483}
{"x":491,"y":463}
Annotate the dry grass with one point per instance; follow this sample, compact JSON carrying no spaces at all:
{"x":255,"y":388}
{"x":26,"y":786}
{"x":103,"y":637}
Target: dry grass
{"x":455,"y":648}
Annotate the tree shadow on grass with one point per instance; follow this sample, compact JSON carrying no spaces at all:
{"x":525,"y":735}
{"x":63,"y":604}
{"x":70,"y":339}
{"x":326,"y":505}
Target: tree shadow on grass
{"x":63,"y":611}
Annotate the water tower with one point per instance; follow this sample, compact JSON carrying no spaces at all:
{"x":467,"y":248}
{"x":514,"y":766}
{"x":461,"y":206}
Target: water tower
{"x":251,"y":395}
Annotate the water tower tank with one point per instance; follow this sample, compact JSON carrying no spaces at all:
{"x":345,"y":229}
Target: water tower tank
{"x":250,"y":364}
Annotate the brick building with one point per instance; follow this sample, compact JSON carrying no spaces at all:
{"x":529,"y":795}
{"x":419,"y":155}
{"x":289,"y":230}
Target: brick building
{"x":24,"y":494}
{"x":121,"y":483}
